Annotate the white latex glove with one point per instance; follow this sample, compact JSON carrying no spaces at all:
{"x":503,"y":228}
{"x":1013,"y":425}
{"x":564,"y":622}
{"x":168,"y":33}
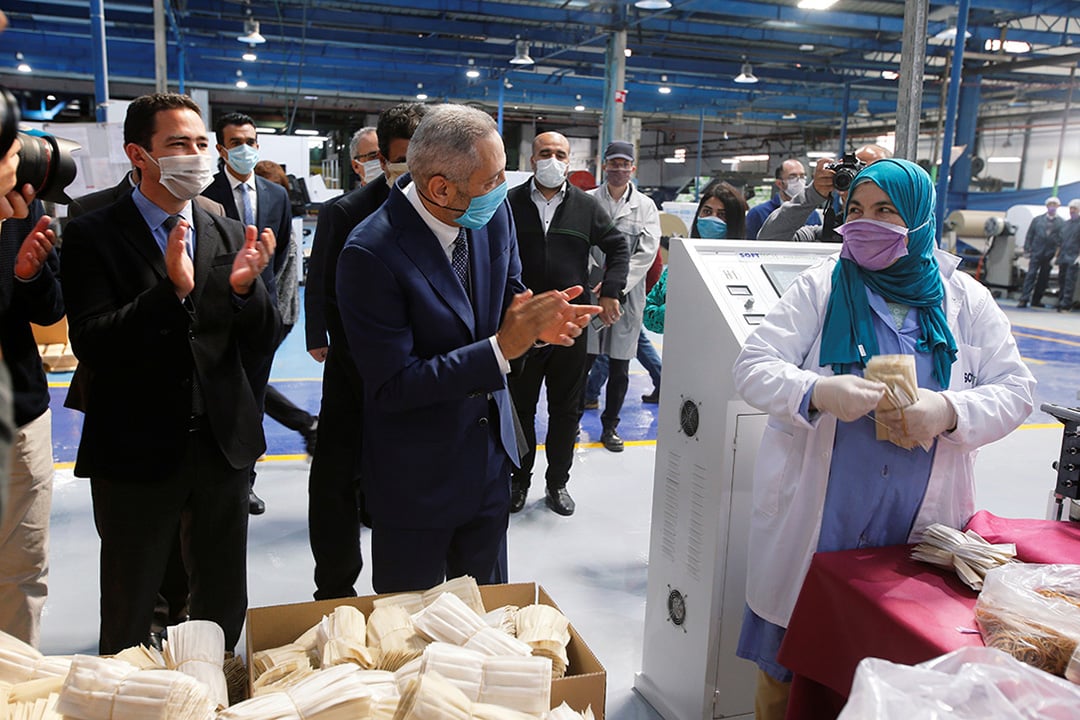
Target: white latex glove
{"x":848,"y":397}
{"x":919,"y":424}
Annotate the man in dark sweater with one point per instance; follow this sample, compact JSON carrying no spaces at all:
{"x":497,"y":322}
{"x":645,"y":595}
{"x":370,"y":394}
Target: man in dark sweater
{"x":29,"y":292}
{"x":557,"y":225}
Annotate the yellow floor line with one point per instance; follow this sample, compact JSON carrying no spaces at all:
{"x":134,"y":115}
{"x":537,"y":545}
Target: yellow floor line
{"x":1071,"y":343}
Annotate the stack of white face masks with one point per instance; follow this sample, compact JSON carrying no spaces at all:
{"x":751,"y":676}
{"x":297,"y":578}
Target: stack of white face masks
{"x":197,"y":648}
{"x":108,"y":689}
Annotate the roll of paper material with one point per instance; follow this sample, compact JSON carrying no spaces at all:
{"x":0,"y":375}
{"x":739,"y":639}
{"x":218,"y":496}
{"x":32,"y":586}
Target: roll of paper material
{"x":969,"y":223}
{"x":1021,"y":216}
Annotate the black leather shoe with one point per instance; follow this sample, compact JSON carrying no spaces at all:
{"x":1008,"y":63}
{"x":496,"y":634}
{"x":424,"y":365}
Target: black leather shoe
{"x":652,"y":398}
{"x":1021,"y":305}
{"x":517,"y":498}
{"x":155,"y":641}
{"x":611,"y":440}
{"x":560,"y":501}
{"x":256,"y":506}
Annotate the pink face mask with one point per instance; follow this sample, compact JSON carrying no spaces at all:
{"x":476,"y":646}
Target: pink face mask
{"x":871,"y":244}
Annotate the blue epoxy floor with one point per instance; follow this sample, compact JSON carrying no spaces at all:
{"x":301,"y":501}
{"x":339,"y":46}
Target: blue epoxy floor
{"x":594,"y":564}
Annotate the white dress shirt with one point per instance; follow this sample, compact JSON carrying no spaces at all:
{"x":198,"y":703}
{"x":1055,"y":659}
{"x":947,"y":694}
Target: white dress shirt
{"x":546,"y":207}
{"x":238,"y":196}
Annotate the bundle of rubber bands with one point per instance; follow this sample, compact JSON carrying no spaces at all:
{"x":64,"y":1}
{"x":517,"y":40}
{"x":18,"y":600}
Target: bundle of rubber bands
{"x":1032,"y":612}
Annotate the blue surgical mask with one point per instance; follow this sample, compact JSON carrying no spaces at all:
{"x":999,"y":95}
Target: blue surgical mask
{"x":242,"y":158}
{"x":482,"y":207}
{"x":712,"y":228}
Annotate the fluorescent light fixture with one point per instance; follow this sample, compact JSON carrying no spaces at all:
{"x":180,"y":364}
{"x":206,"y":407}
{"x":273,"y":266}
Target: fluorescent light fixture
{"x":788,"y":116}
{"x":730,"y":161}
{"x":818,"y":154}
{"x":50,"y":97}
{"x":678,"y":158}
{"x":472,"y":72}
{"x":521,"y":54}
{"x":652,"y":4}
{"x":889,"y":75}
{"x":265,"y":130}
{"x":863,"y":111}
{"x":250,"y":56}
{"x":1004,"y":159}
{"x":628,"y":52}
{"x":579,"y":107}
{"x":664,"y":89}
{"x":1016,"y":47}
{"x":23,"y":67}
{"x":305,"y":131}
{"x":420,"y":94}
{"x":806,"y":47}
{"x":752,"y":158}
{"x":240,"y":81}
{"x":746,"y":74}
{"x":816,"y":4}
{"x":251,"y":33}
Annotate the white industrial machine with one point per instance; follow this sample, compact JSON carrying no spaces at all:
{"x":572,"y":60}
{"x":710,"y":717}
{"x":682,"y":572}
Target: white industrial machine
{"x":718,"y":291}
{"x":987,"y":241}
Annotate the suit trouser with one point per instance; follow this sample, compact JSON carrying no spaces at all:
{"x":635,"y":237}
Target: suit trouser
{"x":24,"y":533}
{"x":334,"y":503}
{"x":646,"y":355}
{"x":204,"y":498}
{"x":562,"y":370}
{"x":282,"y":409}
{"x":1036,"y":279}
{"x":405,"y":559}
{"x":1067,"y":275}
{"x":618,"y":380}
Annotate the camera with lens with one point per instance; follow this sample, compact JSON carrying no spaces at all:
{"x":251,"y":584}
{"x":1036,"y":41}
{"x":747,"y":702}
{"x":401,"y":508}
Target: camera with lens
{"x":846,"y":170}
{"x":44,"y":160}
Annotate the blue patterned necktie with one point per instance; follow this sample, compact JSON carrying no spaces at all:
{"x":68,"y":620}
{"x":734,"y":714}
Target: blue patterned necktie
{"x":460,"y":259}
{"x":249,"y":216}
{"x":170,"y":223}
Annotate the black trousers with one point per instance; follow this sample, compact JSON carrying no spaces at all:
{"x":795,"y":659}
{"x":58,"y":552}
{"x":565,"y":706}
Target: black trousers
{"x":562,"y":370}
{"x":334,"y":498}
{"x":204,"y":499}
{"x":283,"y":410}
{"x":618,"y":381}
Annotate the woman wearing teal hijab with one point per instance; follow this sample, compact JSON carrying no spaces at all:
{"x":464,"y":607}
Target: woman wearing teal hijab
{"x":823,"y":481}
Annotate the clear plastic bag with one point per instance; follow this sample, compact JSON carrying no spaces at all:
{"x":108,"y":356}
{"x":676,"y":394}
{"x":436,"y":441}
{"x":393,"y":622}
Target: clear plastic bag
{"x":972,"y":683}
{"x":1032,"y":612}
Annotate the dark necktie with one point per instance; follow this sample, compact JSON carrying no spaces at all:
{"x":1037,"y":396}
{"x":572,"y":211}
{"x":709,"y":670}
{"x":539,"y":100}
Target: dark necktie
{"x":198,"y":407}
{"x":249,"y":216}
{"x":170,"y":223}
{"x":460,"y":259}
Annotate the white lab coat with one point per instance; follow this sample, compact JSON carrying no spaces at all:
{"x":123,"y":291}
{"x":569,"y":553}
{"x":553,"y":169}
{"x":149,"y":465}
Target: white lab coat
{"x":639,"y":220}
{"x":990,"y":388}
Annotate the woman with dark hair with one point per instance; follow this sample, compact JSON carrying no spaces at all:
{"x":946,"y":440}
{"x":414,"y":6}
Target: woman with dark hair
{"x":720,"y":214}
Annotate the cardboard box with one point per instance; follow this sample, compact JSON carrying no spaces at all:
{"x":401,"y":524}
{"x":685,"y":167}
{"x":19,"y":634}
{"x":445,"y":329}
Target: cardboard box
{"x":585,"y":683}
{"x":52,"y":342}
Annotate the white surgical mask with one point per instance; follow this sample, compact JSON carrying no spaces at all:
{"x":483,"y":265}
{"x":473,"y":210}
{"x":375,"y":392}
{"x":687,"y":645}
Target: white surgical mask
{"x":186,"y":176}
{"x":550,"y":172}
{"x":795,"y":186}
{"x":372,"y":170}
{"x":395,"y":170}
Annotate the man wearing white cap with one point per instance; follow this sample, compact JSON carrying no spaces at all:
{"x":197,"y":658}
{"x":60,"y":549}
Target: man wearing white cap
{"x":1068,"y":258}
{"x":1041,"y":245}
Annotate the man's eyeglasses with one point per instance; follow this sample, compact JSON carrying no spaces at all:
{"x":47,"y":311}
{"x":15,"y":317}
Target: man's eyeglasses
{"x":366,"y":157}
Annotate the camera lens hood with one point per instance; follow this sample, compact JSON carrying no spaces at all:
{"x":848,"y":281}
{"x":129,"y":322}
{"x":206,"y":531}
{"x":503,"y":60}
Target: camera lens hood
{"x":46,"y":163}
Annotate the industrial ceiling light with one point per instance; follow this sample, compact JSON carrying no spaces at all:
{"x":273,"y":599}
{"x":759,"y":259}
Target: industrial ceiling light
{"x":472,"y":72}
{"x":251,"y":33}
{"x":816,"y":4}
{"x":889,"y":75}
{"x":788,"y":116}
{"x":240,"y":81}
{"x":746,"y":74}
{"x":250,"y":56}
{"x":863,"y":111}
{"x":652,"y":4}
{"x":23,"y":65}
{"x":521,"y":53}
{"x":1009,"y":46}
{"x":420,"y":94}
{"x":580,"y":107}
{"x":664,"y":89}
{"x":507,"y":84}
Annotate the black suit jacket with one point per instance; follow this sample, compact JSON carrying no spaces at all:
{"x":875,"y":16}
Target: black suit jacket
{"x":273,"y":211}
{"x":138,"y":345}
{"x":336,"y":220}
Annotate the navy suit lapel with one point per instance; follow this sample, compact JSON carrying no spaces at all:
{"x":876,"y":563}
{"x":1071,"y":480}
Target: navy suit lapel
{"x":208,"y":245}
{"x":423,"y":248}
{"x":135,"y":231}
{"x":480,"y":272}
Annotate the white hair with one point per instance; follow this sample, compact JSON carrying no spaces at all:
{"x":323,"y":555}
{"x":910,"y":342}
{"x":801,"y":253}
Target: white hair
{"x":445,"y":143}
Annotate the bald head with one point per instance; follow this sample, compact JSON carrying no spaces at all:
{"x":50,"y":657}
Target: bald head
{"x":550,"y":140}
{"x":870,"y":154}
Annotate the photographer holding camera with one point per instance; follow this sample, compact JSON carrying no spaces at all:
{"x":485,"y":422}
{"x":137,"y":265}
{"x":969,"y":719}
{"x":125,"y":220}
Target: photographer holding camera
{"x":789,"y":221}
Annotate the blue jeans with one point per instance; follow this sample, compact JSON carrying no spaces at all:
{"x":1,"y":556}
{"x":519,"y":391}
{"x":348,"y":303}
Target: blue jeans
{"x":646,"y":355}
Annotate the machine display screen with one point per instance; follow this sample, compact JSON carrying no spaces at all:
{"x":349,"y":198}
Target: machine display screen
{"x":781,"y":275}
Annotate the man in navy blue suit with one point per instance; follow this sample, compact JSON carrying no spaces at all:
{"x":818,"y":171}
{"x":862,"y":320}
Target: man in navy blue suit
{"x":432,"y":303}
{"x":254,"y":200}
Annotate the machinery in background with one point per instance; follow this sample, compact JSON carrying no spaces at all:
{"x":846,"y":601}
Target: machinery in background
{"x":986,"y":244}
{"x":1068,"y":464}
{"x":718,"y":291}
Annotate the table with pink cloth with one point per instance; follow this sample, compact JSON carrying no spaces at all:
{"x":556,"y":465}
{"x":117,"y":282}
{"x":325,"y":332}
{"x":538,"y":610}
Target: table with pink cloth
{"x":879,"y":603}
